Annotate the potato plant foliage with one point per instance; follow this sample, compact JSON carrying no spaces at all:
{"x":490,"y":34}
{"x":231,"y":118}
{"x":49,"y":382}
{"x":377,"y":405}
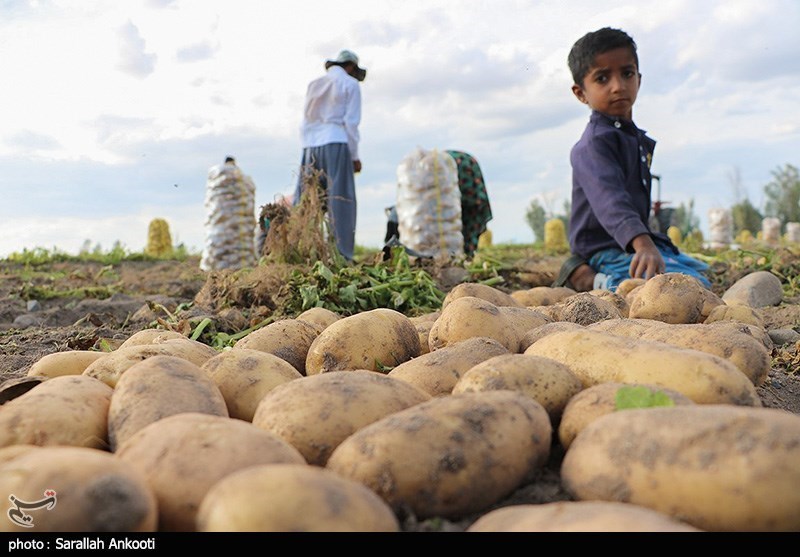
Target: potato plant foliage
{"x":353,"y":289}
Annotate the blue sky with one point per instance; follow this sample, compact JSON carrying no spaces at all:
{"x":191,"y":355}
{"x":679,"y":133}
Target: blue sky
{"x":113,"y":111}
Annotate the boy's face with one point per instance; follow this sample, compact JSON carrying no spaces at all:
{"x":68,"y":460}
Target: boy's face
{"x":612,"y":84}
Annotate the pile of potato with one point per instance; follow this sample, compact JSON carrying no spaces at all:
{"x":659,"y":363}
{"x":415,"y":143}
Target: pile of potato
{"x":356,"y":423}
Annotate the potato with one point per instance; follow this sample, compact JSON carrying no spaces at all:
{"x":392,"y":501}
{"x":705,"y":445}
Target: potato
{"x":182,"y":456}
{"x":292,"y":498}
{"x":671,"y":298}
{"x":483,"y":291}
{"x":718,"y":467}
{"x":449,"y":456}
{"x":541,"y":295}
{"x":631,"y":296}
{"x":321,"y":317}
{"x":742,"y":350}
{"x":585,"y":308}
{"x":627,"y":286}
{"x":65,"y":410}
{"x":578,"y":516}
{"x":627,"y":327}
{"x":469,"y":317}
{"x":70,"y":362}
{"x":523,"y":320}
{"x":599,"y":400}
{"x":91,"y":491}
{"x":289,"y":339}
{"x":371,"y":340}
{"x":710,"y":301}
{"x":616,"y":300}
{"x":244,"y":376}
{"x":114,"y":364}
{"x":548,"y":328}
{"x":546,"y":381}
{"x":316,"y":413}
{"x":742,"y":314}
{"x":429,"y":317}
{"x":423,"y":331}
{"x":553,"y":311}
{"x":158,"y":387}
{"x":758,"y":333}
{"x":437,"y":372}
{"x":151,"y":336}
{"x":597,"y":357}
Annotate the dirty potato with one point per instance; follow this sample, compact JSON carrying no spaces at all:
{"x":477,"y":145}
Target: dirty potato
{"x":449,"y":456}
{"x":315,"y":414}
{"x":114,"y":364}
{"x":288,"y":339}
{"x":599,"y":400}
{"x":91,"y":491}
{"x":596,"y":357}
{"x":437,"y":372}
{"x":469,"y":317}
{"x":182,"y":456}
{"x":158,"y":387}
{"x":671,"y":298}
{"x":718,"y":467}
{"x":482,"y":291}
{"x":292,"y":498}
{"x":244,"y":376}
{"x":546,"y":381}
{"x":374,"y":340}
{"x":64,"y":410}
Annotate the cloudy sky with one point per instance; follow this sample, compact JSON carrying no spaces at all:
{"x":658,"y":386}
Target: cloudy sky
{"x":112,"y":111}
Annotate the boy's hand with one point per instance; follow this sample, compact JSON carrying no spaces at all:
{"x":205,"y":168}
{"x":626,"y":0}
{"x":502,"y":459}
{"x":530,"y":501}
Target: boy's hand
{"x":647,"y":261}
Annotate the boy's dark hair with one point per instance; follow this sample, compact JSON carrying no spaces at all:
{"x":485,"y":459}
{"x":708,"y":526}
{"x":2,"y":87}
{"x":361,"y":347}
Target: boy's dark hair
{"x":583,"y":52}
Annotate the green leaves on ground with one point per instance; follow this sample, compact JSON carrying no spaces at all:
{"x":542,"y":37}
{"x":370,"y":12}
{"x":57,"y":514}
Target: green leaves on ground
{"x":352,"y":289}
{"x":640,"y":397}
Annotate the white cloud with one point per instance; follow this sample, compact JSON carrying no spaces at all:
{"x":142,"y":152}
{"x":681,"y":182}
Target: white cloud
{"x":133,"y":59}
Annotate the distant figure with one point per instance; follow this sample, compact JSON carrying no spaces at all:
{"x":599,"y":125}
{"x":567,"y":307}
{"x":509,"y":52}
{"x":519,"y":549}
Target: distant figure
{"x":392,"y":224}
{"x":330,"y":139}
{"x":476,"y":212}
{"x":230,"y":219}
{"x":609,"y":234}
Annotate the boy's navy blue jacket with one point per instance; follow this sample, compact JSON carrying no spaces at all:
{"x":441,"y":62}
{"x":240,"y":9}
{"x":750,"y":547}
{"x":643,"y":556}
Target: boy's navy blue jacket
{"x":611,"y":186}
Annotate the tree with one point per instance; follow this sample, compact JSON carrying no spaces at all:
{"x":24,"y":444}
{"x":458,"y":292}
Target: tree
{"x":685,"y":219}
{"x":746,"y":217}
{"x":536,"y":216}
{"x":783,"y":195}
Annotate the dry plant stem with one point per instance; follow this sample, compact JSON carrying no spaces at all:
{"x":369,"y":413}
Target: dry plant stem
{"x":303,"y":235}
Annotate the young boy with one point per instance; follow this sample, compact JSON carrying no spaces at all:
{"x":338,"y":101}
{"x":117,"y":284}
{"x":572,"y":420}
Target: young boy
{"x":608,"y":232}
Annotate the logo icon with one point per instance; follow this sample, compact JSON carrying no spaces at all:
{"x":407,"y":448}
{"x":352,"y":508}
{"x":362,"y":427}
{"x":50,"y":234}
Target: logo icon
{"x":17,"y":514}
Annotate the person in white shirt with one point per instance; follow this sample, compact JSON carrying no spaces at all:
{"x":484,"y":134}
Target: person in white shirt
{"x":330,"y":138}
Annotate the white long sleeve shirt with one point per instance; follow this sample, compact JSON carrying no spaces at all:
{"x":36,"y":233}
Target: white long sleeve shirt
{"x":332,"y":111}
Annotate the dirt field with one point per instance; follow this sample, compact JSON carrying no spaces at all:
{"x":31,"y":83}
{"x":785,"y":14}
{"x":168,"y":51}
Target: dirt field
{"x":170,"y":292}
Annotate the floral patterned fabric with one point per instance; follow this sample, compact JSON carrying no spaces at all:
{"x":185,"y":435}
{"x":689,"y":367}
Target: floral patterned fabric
{"x":476,"y":211}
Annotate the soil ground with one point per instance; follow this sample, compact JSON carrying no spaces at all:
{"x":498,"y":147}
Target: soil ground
{"x":174,"y":293}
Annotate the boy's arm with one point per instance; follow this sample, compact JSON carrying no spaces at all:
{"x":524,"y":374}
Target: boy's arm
{"x":605,"y":192}
{"x":646,"y":261}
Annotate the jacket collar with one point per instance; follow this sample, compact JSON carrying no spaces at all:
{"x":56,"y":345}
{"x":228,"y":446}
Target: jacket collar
{"x":615,"y":121}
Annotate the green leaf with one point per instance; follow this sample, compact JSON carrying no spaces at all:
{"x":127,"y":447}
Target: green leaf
{"x":640,"y":397}
{"x":309,"y":296}
{"x":347,"y":294}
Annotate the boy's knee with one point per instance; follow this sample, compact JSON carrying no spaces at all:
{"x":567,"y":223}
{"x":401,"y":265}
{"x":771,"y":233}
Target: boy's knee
{"x":582,"y":278}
